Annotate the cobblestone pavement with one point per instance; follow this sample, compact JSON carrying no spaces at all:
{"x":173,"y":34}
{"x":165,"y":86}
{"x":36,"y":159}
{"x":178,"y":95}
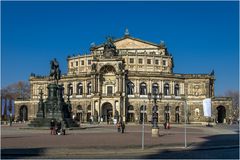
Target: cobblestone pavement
{"x":104,"y":140}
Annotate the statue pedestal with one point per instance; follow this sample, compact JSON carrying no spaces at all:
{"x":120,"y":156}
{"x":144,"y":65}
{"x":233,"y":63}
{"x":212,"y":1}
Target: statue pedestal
{"x":155,"y":132}
{"x":39,"y":114}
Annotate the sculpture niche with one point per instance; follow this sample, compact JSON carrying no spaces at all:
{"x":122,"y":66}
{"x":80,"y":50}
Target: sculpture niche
{"x":54,"y":107}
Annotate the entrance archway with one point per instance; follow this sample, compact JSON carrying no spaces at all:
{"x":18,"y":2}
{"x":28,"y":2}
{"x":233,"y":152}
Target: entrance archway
{"x":89,"y":113}
{"x":221,"y":114}
{"x":107,"y":112}
{"x":79,"y":113}
{"x":130,"y":114}
{"x":177,"y":114}
{"x":23,"y":113}
{"x":167,"y":113}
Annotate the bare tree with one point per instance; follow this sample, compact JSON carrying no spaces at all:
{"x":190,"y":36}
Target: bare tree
{"x":235,"y":98}
{"x":19,"y":90}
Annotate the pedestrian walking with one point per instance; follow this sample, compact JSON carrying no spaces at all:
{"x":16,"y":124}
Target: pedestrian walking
{"x":119,"y":127}
{"x":52,"y":127}
{"x":123,"y":127}
{"x":59,"y":127}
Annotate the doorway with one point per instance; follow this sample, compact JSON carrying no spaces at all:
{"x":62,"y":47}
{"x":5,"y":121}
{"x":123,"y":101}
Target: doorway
{"x":107,"y":112}
{"x":23,"y":113}
{"x":221,"y":114}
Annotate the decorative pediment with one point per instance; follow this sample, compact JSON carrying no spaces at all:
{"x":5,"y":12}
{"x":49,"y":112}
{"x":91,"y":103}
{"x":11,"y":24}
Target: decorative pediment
{"x":131,"y":43}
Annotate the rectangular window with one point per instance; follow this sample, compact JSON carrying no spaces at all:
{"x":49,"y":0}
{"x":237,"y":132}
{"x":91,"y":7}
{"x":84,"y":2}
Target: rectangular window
{"x":131,"y":60}
{"x":89,"y":62}
{"x":76,"y":63}
{"x":148,"y":61}
{"x":71,"y":64}
{"x":82,"y":62}
{"x":156,"y":61}
{"x":109,"y":90}
{"x":140,"y":61}
{"x":164,"y":62}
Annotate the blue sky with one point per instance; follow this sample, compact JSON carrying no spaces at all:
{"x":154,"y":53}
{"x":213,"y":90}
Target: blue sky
{"x":201,"y":36}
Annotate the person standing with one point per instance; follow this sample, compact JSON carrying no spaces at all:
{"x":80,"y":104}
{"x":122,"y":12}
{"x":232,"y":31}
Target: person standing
{"x":52,"y":127}
{"x":59,"y":127}
{"x":119,"y":126}
{"x":123,"y":127}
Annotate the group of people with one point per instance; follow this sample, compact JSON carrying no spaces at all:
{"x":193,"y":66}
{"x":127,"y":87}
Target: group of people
{"x":166,"y":125}
{"x":120,"y":126}
{"x":57,"y":128}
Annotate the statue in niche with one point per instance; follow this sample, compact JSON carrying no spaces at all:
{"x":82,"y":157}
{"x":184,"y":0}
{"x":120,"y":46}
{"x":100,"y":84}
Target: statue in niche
{"x":94,"y":67}
{"x":120,"y":66}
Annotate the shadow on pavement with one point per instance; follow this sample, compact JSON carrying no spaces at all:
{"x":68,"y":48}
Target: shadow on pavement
{"x":216,"y":147}
{"x":20,"y":153}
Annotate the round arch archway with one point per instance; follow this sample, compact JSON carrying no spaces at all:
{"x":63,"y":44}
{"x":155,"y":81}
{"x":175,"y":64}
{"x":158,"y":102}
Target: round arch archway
{"x":79,"y":113}
{"x":221,"y":114}
{"x":107,"y":112}
{"x":23,"y":113}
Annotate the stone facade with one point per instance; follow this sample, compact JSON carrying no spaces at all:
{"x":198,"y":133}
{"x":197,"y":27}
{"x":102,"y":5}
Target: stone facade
{"x":114,"y":82}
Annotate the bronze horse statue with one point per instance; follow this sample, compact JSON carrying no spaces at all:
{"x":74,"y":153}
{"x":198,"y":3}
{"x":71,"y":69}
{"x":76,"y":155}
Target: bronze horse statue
{"x":55,"y":72}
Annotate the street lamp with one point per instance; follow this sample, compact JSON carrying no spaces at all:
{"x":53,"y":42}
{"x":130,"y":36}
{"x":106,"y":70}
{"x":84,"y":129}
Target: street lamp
{"x":155,"y":128}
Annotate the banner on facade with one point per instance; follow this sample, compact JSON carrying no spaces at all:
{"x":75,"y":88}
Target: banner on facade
{"x":3,"y":106}
{"x":7,"y":106}
{"x":207,"y":105}
{"x":12,"y":106}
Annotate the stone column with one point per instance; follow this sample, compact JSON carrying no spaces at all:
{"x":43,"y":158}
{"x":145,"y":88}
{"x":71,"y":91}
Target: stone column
{"x":162,"y":86}
{"x":117,"y":78}
{"x":92,"y":83}
{"x":95,"y":79}
{"x":137,"y":87}
{"x":173,"y":83}
{"x":123,"y":84}
{"x":114,"y":108}
{"x":149,"y":86}
{"x":98,"y":85}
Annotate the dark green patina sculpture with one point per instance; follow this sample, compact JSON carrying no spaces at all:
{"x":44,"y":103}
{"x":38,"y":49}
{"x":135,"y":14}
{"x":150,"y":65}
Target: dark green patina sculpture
{"x":109,"y":48}
{"x":54,"y":107}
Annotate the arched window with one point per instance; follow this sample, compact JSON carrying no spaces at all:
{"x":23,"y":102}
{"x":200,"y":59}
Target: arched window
{"x":176,"y":90}
{"x":89,"y":107}
{"x":70,"y":89}
{"x":143,"y":89}
{"x":130,"y":114}
{"x":130,"y":108}
{"x":155,"y":88}
{"x":89,"y":88}
{"x":166,"y":89}
{"x":177,"y":117}
{"x":79,"y":89}
{"x":197,"y":112}
{"x":79,"y":108}
{"x":130,"y":88}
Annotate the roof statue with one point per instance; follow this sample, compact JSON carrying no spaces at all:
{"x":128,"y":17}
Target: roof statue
{"x":212,"y":73}
{"x":127,"y":32}
{"x":162,"y":44}
{"x":109,"y":48}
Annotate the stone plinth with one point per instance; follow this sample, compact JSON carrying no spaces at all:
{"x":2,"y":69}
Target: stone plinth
{"x":155,"y":132}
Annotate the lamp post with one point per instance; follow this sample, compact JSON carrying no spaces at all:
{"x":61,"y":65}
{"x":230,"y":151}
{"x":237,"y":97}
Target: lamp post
{"x":155,"y":128}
